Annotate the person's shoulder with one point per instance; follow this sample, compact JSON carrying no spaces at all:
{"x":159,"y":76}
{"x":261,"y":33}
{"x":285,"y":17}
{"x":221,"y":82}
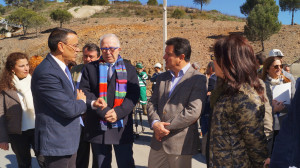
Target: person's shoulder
{"x":129,"y":67}
{"x":77,"y":68}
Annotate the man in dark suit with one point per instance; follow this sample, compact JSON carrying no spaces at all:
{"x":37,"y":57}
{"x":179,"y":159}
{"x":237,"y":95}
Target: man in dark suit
{"x":115,"y":81}
{"x":175,"y":107}
{"x":91,"y":52}
{"x":56,"y":105}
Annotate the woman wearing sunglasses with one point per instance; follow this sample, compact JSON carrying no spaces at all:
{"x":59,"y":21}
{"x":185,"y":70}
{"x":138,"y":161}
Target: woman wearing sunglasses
{"x":236,"y":135}
{"x":272,"y":75}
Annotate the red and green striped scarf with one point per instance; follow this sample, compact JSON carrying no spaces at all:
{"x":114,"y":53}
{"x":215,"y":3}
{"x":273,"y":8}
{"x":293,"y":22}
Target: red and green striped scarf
{"x":121,"y":85}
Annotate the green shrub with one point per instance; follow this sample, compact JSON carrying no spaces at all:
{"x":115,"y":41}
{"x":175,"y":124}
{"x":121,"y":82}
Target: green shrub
{"x":136,"y":2}
{"x":152,"y":2}
{"x":178,"y":13}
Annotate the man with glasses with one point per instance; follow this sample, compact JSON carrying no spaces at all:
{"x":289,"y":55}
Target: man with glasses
{"x":91,"y":52}
{"x":115,"y":81}
{"x":57,"y":103}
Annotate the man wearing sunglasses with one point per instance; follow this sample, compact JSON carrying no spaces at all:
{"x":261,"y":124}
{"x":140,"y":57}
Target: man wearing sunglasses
{"x":116,"y":82}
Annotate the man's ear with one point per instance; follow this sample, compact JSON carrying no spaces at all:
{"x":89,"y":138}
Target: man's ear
{"x":182,"y":56}
{"x":60,"y":46}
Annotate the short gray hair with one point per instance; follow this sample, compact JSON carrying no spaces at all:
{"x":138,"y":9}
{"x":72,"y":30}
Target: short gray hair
{"x":110,"y":36}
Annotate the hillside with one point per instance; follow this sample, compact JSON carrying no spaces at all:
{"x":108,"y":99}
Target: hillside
{"x":141,"y":37}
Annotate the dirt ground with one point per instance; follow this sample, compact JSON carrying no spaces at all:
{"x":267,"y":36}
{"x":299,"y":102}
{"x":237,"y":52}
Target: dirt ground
{"x":142,"y":39}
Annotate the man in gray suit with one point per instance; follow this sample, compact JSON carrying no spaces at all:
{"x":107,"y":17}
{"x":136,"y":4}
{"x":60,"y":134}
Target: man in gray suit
{"x":175,"y":107}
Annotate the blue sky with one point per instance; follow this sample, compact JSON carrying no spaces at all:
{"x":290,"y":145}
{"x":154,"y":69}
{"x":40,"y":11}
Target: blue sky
{"x":230,"y":7}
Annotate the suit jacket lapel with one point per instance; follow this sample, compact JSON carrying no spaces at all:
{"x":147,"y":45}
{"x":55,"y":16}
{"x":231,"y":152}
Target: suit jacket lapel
{"x":61,"y":73}
{"x":187,"y":75}
{"x":167,"y":88}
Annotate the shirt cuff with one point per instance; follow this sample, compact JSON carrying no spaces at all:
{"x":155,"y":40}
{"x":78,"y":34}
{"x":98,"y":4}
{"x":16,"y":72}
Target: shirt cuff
{"x":93,"y":108}
{"x":83,"y":101}
{"x":153,"y":123}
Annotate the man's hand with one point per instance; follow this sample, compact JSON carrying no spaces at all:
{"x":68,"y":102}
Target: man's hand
{"x":81,"y":95}
{"x":267,"y":163}
{"x":159,"y":130}
{"x":100,"y":103}
{"x":111,"y":116}
{"x":4,"y":146}
{"x":277,"y":106}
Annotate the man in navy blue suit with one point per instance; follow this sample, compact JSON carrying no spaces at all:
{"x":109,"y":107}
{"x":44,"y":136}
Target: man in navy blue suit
{"x":57,"y":103}
{"x":116,"y":80}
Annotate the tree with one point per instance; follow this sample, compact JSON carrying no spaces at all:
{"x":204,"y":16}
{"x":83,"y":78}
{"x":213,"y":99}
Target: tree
{"x":262,"y":21}
{"x":290,"y":5}
{"x":248,"y":6}
{"x":201,"y":2}
{"x":98,"y":2}
{"x":61,"y":16}
{"x":37,"y":21}
{"x":38,"y":4}
{"x":152,"y":2}
{"x":18,"y":3}
{"x":2,"y":9}
{"x":23,"y":17}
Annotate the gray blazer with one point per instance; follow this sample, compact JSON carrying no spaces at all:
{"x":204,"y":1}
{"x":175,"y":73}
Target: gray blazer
{"x":182,"y":110}
{"x":10,"y":114}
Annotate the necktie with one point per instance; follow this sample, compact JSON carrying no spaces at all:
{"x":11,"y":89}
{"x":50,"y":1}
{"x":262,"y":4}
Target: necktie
{"x":109,"y":72}
{"x":69,"y":76}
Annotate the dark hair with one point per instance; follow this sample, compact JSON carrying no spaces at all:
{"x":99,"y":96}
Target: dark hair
{"x":7,"y":75}
{"x":211,"y":65}
{"x":260,"y":57}
{"x":267,"y":64}
{"x":92,"y":47}
{"x":58,"y":35}
{"x":236,"y":58}
{"x":181,"y":46}
{"x":71,"y":64}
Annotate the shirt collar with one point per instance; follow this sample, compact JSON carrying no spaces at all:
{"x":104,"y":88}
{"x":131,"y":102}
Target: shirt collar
{"x":59,"y":62}
{"x":182,"y":71}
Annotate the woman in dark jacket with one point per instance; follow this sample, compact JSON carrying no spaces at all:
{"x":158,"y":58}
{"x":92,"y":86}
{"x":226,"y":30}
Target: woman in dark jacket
{"x":237,"y":136}
{"x":17,"y":117}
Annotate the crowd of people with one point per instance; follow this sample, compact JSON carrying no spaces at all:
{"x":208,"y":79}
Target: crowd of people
{"x":248,"y":106}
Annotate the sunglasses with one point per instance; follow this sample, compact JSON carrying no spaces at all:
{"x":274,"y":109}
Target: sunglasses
{"x":278,"y":66}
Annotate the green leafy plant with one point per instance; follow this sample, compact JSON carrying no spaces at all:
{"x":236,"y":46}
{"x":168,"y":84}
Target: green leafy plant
{"x":61,"y":16}
{"x":178,"y":13}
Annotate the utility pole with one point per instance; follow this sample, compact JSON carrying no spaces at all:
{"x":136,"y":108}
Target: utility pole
{"x":164,"y":30}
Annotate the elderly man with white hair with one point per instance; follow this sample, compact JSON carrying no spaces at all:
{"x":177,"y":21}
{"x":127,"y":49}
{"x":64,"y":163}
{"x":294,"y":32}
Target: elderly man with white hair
{"x":115,"y":81}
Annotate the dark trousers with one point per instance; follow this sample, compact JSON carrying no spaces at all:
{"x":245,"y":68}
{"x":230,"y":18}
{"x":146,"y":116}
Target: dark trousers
{"x":83,"y":152}
{"x":102,"y":155}
{"x":21,"y":145}
{"x":68,"y":161}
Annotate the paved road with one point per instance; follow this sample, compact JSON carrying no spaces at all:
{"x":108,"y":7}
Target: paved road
{"x":140,"y":148}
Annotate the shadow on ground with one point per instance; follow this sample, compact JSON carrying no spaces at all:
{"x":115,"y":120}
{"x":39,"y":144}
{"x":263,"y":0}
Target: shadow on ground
{"x":13,"y":162}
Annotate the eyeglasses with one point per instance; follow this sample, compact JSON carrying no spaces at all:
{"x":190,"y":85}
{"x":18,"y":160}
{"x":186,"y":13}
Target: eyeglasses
{"x":212,"y":57}
{"x":72,"y":46}
{"x":278,"y":66}
{"x":111,"y":49}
